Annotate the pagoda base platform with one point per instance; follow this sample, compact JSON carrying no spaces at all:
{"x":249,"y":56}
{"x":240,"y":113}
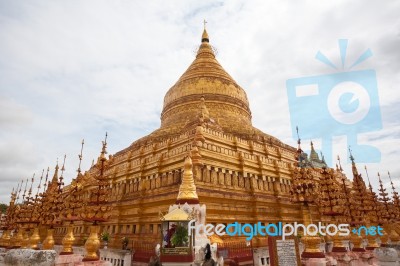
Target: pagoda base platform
{"x":177,"y":263}
{"x":93,"y":263}
{"x":76,"y":260}
{"x":344,"y":258}
{"x":315,"y":261}
{"x":387,"y":256}
{"x":67,"y":260}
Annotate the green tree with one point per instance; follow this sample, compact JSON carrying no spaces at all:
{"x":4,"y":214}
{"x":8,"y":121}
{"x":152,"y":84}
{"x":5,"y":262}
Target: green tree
{"x":180,"y":238}
{"x":3,"y":207}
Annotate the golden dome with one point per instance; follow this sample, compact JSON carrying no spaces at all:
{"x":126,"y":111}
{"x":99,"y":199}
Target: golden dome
{"x":225,"y":101}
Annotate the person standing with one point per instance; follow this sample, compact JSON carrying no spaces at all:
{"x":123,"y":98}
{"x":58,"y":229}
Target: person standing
{"x":208,"y":260}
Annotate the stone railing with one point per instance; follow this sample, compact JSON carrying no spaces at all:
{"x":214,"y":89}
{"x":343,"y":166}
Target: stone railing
{"x":117,"y":257}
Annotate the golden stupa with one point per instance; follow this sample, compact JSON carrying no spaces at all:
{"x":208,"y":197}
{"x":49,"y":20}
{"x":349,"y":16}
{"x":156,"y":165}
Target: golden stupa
{"x":206,"y":161}
{"x":239,"y":173}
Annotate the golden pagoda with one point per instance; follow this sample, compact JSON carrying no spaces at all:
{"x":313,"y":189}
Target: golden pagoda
{"x":241,"y":174}
{"x":237,"y":171}
{"x":205,"y":164}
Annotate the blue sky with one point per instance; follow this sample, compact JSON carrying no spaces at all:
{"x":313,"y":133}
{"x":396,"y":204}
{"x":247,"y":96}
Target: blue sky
{"x":75,"y":69}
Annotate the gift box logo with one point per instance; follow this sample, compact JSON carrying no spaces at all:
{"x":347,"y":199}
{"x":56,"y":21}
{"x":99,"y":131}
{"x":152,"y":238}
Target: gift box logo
{"x":337,"y":104}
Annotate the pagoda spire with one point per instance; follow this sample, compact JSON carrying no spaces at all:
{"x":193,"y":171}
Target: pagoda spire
{"x":369,"y":182}
{"x":323,"y":158}
{"x":384,"y":198}
{"x":80,"y":158}
{"x":361,"y":197}
{"x":12,"y":191}
{"x":357,"y":178}
{"x":61,"y":183}
{"x":205,"y":49}
{"x":45,"y":180}
{"x":393,"y":213}
{"x":103,"y":152}
{"x":187,"y":189}
{"x":313,"y":153}
{"x":14,"y":196}
{"x":19,"y":191}
{"x":299,"y":150}
{"x":340,"y":165}
{"x":301,"y":156}
{"x":26,"y":185}
{"x":353,"y":164}
{"x":395,"y":198}
{"x":345,"y":190}
{"x":394,"y":192}
{"x":204,"y":36}
{"x":39,"y":186}
{"x":53,"y":183}
{"x":55,"y":176}
{"x":30,"y":189}
{"x":382,"y":190}
{"x":373,"y":197}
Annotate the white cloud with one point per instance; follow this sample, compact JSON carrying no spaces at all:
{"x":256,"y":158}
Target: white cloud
{"x":13,"y":113}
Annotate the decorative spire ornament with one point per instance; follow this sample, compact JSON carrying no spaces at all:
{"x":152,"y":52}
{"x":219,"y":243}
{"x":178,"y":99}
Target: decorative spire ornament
{"x":303,"y":191}
{"x":72,"y":205}
{"x":373,"y":208}
{"x":385,"y":212}
{"x":6,"y":226}
{"x":52,"y":204}
{"x":97,"y":208}
{"x":204,"y":37}
{"x":395,"y":200}
{"x":187,"y":189}
{"x":35,"y":218}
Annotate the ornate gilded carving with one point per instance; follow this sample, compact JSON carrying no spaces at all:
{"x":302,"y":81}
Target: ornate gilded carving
{"x":48,"y":242}
{"x":92,"y":244}
{"x":34,"y":239}
{"x":187,"y":190}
